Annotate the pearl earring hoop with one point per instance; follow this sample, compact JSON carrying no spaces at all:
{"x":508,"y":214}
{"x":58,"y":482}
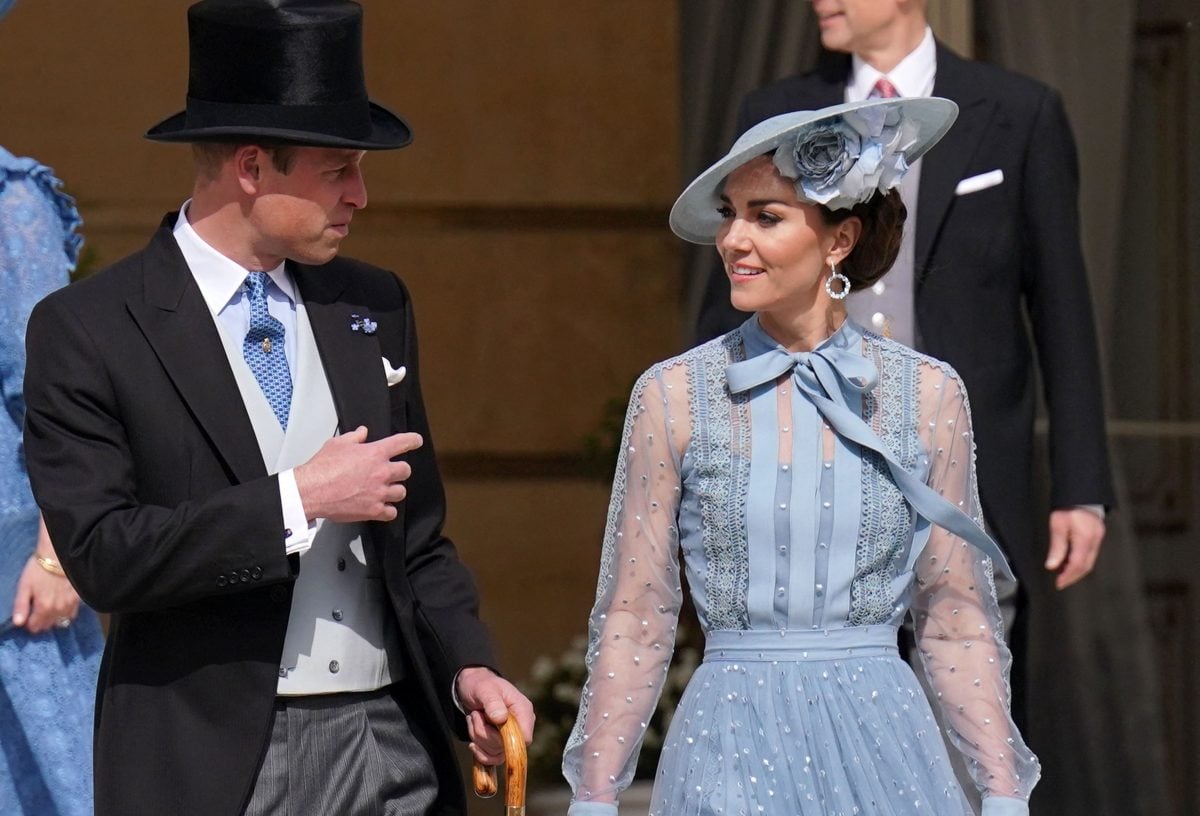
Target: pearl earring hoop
{"x":842,"y":279}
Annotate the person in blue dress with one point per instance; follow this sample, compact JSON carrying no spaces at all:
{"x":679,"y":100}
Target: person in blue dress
{"x":815,"y":482}
{"x":50,"y":644}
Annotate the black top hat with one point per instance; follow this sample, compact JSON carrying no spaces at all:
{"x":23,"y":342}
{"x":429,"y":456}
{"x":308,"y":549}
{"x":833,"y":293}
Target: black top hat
{"x":287,"y":71}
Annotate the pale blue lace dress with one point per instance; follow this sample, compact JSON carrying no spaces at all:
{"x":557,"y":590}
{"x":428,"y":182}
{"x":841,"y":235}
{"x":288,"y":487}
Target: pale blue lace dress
{"x":47,"y":681}
{"x":788,"y":482}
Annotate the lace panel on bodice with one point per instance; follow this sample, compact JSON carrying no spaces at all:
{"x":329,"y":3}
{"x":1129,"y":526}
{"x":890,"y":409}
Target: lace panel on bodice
{"x":720,"y":457}
{"x":885,"y":530}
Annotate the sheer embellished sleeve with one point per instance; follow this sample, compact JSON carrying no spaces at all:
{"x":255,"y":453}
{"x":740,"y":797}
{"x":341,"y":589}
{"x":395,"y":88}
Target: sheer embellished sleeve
{"x":631,"y":631}
{"x":958,"y":626}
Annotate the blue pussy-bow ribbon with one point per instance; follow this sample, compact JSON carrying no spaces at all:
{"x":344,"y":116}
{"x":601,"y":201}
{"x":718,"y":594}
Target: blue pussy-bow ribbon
{"x":825,"y":377}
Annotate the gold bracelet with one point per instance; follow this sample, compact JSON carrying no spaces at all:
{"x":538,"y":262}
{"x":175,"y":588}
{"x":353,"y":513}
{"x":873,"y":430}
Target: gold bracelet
{"x":50,"y":565}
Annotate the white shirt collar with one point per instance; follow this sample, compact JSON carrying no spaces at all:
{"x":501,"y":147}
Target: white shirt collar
{"x":913,"y":76}
{"x":219,"y":279}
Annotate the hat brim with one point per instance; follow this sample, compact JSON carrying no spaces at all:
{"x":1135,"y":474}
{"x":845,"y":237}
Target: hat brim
{"x":388,"y":132}
{"x":695,"y":216}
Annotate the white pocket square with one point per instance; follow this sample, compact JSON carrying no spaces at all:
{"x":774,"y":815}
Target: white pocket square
{"x":394,"y":375}
{"x":981,"y":182}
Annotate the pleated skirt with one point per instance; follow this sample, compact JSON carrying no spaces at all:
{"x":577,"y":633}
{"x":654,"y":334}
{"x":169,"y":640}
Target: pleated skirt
{"x":805,"y":724}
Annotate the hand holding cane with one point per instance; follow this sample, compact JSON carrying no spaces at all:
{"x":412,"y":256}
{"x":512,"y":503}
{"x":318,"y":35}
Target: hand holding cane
{"x":516,"y":764}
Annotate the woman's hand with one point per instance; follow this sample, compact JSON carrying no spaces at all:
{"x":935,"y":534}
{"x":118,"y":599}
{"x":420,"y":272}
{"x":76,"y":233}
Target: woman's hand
{"x":44,"y":600}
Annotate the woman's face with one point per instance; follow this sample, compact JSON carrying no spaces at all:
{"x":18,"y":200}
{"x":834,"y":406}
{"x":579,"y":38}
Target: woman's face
{"x":776,"y":248}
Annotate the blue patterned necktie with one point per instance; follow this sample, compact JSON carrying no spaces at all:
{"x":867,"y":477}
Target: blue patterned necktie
{"x":263,"y":350}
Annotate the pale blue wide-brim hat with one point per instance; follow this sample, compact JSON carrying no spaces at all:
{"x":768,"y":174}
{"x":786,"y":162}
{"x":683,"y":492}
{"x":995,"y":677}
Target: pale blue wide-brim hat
{"x":838,"y":156}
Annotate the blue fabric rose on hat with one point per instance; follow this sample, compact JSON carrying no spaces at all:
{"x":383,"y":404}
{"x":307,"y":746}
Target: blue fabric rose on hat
{"x":843,"y":161}
{"x":825,"y":155}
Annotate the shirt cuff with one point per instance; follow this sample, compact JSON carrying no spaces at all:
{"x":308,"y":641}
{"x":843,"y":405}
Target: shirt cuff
{"x":1004,"y":806}
{"x":454,"y":691}
{"x":593,"y":809}
{"x":454,"y":683}
{"x":1096,"y":509}
{"x":297,"y":532}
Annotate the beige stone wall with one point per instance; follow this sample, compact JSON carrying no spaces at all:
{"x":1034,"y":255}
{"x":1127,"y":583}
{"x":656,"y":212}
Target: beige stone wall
{"x":528,"y":218}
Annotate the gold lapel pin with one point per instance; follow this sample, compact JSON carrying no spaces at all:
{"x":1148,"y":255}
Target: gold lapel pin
{"x":266,"y":345}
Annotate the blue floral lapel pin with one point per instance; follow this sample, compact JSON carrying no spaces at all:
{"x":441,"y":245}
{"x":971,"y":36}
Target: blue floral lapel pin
{"x":362,"y":324}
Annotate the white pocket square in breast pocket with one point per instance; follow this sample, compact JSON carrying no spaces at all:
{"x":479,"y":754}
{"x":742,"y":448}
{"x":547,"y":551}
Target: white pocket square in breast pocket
{"x":394,"y":375}
{"x":981,"y":182}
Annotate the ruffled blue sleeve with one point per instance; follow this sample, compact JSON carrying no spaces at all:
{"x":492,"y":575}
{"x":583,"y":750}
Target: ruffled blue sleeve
{"x":38,"y":249}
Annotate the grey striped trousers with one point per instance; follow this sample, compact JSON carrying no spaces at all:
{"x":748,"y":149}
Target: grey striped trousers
{"x":343,"y":755}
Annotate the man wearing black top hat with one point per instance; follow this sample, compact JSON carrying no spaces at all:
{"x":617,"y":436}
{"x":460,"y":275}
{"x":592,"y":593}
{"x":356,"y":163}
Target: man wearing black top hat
{"x":226,"y":435}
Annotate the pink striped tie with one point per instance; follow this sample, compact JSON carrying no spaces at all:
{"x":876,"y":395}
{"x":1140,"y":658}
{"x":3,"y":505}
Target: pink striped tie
{"x":884,"y":89}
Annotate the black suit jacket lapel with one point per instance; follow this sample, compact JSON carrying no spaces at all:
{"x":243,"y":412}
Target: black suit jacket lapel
{"x":353,"y":363}
{"x":177,"y":324}
{"x":352,"y":359}
{"x":944,"y":165}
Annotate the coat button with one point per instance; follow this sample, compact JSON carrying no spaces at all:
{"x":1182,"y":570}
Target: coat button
{"x":222,"y":580}
{"x":279,"y":594}
{"x":245,"y":576}
{"x":334,"y":667}
{"x":337,"y":614}
{"x":341,"y":565}
{"x":256,"y":573}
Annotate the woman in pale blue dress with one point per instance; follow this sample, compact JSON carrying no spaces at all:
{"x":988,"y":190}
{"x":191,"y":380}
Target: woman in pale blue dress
{"x":50,"y":644}
{"x":819,"y":482}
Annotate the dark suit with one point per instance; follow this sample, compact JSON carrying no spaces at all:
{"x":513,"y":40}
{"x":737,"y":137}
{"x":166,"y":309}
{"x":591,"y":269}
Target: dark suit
{"x":984,"y":264}
{"x":146,"y":466}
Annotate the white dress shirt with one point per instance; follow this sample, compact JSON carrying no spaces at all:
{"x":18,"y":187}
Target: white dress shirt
{"x":221,"y":283}
{"x":912,"y":76}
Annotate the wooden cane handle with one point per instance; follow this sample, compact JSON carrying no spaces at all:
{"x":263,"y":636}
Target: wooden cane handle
{"x":486,"y":784}
{"x":516,"y":765}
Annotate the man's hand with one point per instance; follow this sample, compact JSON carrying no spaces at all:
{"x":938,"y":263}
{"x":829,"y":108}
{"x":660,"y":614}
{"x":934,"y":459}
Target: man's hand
{"x":1075,"y":537}
{"x":488,"y":701}
{"x":43,"y":601}
{"x":350,"y":479}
